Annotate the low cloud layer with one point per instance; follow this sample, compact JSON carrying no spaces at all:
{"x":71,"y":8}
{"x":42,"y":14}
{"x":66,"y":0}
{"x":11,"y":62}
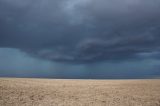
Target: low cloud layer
{"x":15,"y":63}
{"x":82,"y":31}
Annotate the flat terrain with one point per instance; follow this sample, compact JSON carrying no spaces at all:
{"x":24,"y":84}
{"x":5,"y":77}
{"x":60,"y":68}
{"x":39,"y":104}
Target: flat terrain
{"x":45,"y":92}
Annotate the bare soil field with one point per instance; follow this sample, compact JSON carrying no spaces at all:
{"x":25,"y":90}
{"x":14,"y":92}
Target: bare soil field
{"x":46,"y":92}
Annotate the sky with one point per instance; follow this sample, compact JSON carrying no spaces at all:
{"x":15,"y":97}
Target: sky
{"x":96,"y":39}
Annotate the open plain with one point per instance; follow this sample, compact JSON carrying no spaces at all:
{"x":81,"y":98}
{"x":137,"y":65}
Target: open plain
{"x":54,"y":92}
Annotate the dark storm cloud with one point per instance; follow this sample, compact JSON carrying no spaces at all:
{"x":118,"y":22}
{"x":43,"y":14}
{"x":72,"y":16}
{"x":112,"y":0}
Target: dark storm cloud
{"x":81,"y":31}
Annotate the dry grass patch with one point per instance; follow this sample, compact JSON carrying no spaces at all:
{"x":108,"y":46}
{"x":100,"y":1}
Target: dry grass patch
{"x":43,"y":92}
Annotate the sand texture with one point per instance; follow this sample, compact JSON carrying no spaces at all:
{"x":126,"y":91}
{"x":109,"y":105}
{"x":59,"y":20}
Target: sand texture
{"x":45,"y":92}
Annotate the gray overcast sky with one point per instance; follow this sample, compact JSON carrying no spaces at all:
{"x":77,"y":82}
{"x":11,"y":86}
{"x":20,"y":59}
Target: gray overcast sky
{"x":80,"y":38}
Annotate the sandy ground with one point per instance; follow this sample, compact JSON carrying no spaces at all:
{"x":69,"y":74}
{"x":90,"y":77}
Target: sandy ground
{"x":45,"y":92}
